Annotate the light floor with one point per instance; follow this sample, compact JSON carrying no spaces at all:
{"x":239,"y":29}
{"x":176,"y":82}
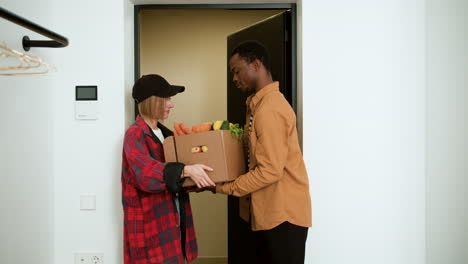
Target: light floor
{"x":210,"y":261}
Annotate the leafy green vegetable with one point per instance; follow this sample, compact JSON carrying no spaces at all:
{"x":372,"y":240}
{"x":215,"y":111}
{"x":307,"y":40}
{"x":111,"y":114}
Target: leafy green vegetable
{"x":225,"y":125}
{"x":237,"y":131}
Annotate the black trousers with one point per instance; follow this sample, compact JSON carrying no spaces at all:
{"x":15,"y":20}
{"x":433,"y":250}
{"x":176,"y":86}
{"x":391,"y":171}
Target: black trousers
{"x":284,"y":244}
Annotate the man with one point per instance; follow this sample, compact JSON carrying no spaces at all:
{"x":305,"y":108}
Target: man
{"x":275,"y":190}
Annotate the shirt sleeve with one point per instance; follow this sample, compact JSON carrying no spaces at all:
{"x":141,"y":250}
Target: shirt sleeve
{"x":150,"y":175}
{"x":271,"y":150}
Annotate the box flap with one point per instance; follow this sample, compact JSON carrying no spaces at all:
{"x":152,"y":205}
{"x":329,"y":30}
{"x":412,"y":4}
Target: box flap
{"x":236,"y":161}
{"x":170,"y":154}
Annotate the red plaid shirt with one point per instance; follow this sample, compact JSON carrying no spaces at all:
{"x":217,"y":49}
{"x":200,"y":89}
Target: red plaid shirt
{"x":151,"y":223}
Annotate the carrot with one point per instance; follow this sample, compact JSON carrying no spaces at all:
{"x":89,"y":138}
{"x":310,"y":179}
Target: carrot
{"x":178,"y":129}
{"x":176,"y":133}
{"x":206,"y":127}
{"x":202,"y":128}
{"x":185,"y":129}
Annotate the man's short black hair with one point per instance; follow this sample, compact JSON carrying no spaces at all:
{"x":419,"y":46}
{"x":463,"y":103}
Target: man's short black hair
{"x":251,"y":51}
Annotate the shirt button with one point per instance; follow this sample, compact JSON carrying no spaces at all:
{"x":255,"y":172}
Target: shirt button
{"x":177,"y":225}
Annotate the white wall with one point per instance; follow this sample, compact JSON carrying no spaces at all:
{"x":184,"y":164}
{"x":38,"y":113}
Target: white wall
{"x":87,"y":154}
{"x":364,"y":130}
{"x":129,"y":64}
{"x":364,"y":110}
{"x":49,"y":158}
{"x":26,"y":138}
{"x":447,"y":207}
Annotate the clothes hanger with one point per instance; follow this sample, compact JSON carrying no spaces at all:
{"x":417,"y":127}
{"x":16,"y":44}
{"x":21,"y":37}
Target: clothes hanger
{"x":26,"y":63}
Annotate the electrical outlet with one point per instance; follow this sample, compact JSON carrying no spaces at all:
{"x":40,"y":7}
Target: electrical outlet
{"x":97,"y":259}
{"x":89,"y":258}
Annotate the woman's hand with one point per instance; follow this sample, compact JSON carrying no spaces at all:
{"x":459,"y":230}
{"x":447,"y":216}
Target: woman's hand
{"x":198,"y":175}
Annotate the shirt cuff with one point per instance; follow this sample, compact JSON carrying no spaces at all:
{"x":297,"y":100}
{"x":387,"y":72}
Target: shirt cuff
{"x":224,"y":188}
{"x":172,"y":173}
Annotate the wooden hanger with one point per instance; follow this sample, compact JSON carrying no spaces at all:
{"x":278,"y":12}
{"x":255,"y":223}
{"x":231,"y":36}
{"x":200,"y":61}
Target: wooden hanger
{"x":27,"y":64}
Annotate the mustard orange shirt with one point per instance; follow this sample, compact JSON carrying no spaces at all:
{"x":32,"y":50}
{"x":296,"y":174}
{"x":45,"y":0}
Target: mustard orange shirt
{"x":276,"y":187}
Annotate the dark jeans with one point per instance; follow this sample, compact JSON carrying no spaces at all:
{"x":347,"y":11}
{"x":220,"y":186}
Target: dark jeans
{"x":284,"y":244}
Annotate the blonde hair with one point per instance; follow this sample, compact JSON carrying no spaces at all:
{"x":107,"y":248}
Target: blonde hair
{"x":153,"y":107}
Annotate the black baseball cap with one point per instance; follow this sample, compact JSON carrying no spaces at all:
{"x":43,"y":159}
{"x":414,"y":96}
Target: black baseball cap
{"x":153,"y":84}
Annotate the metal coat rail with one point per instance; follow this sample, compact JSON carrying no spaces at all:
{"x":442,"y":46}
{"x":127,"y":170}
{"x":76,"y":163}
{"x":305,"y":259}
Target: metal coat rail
{"x":57,"y":41}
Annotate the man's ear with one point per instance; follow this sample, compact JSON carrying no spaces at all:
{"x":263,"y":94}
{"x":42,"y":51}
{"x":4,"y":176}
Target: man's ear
{"x":257,"y":64}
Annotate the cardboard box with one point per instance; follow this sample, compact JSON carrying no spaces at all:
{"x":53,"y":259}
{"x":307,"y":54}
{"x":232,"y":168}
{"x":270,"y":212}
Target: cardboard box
{"x":217,"y":149}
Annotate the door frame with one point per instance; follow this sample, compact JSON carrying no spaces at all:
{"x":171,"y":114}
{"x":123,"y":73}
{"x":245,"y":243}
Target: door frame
{"x":291,"y":6}
{"x":259,"y":6}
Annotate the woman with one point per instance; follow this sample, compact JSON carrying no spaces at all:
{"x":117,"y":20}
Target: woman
{"x":158,"y":224}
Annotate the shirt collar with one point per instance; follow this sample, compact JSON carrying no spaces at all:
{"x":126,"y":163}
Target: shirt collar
{"x":146,"y":129}
{"x":253,"y":100}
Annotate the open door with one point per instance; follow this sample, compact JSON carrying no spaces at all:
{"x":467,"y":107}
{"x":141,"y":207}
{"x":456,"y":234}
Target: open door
{"x":275,"y":33}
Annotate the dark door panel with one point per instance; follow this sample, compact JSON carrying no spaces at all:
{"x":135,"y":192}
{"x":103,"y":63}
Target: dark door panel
{"x":275,"y":34}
